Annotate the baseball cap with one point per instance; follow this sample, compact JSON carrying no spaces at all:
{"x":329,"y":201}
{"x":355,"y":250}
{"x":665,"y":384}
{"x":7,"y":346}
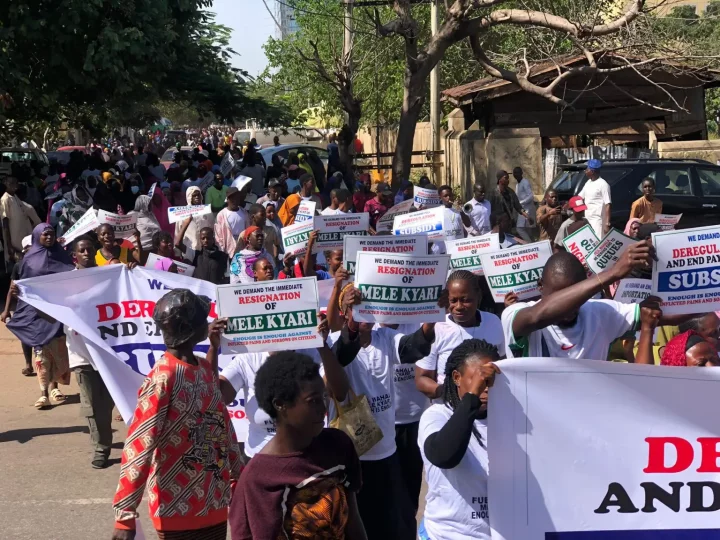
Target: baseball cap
{"x":230,"y":192}
{"x":382,"y":187}
{"x":27,"y":241}
{"x":594,"y":164}
{"x":577,"y":204}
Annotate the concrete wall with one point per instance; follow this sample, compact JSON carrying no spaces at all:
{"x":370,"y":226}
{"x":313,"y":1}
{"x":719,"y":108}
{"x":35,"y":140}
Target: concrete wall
{"x":464,"y":159}
{"x":707,"y":150}
{"x":516,"y":147}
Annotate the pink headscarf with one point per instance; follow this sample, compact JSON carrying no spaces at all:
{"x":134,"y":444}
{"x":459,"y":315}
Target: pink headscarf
{"x":160,"y":207}
{"x":628,"y":227}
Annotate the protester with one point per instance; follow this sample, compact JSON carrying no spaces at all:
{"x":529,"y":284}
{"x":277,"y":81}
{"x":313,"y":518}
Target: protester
{"x":549,"y":216}
{"x":363,"y":192}
{"x":596,"y":194}
{"x":405,"y":192}
{"x":18,"y":219}
{"x":147,"y":224}
{"x":527,"y":201}
{"x":252,"y":168}
{"x":163,"y":246}
{"x":215,"y":194}
{"x":333,"y":257}
{"x":632,"y":227}
{"x":479,"y":211}
{"x":378,"y":206}
{"x":503,"y":199}
{"x":76,"y":203}
{"x":577,"y":207}
{"x":243,"y":260}
{"x":264,"y":270}
{"x":501,"y":225}
{"x":111,"y":253}
{"x":197,"y":222}
{"x":180,"y":427}
{"x":273,"y":195}
{"x":646,"y":207}
{"x":317,"y":168}
{"x":232,"y":220}
{"x":340,"y":202}
{"x":707,"y":326}
{"x":288,"y":210}
{"x":271,"y":234}
{"x":33,"y":328}
{"x":160,"y":205}
{"x":303,"y":483}
{"x":690,"y":349}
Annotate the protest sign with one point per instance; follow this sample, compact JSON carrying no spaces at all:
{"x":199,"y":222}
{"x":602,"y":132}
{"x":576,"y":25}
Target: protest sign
{"x":332,"y":229}
{"x":111,"y":307}
{"x":85,"y":224}
{"x":295,"y":237}
{"x":686,"y":276}
{"x":180,"y":213}
{"x":633,"y":290}
{"x":306,"y":210}
{"x":608,"y":251}
{"x":646,"y":469}
{"x":516,"y":269}
{"x":399,"y":288}
{"x":182,"y":268}
{"x":465,"y":253}
{"x":425,"y":198}
{"x":385,"y":223}
{"x":151,"y":191}
{"x":124,"y":226}
{"x":206,"y":181}
{"x":325,"y":288}
{"x":667,"y":221}
{"x":240,"y":182}
{"x":581,"y":243}
{"x":435,"y":223}
{"x":227,"y":164}
{"x":270,"y":315}
{"x":381,"y":244}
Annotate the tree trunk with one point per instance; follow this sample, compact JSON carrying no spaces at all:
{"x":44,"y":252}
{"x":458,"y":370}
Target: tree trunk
{"x":413,"y":101}
{"x":346,"y":140}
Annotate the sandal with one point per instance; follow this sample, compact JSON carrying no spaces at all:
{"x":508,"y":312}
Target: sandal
{"x":57,"y":395}
{"x":28,"y":371}
{"x":42,"y":403}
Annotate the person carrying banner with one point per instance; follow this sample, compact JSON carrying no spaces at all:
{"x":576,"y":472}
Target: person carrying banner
{"x":333,"y":257}
{"x":180,"y":432}
{"x":453,"y":442}
{"x":111,"y":253}
{"x":303,"y":483}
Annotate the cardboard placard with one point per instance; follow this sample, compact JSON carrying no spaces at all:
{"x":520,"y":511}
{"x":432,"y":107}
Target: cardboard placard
{"x":353,"y":244}
{"x":667,"y":222}
{"x":516,"y":269}
{"x":227,"y":164}
{"x":124,"y":226}
{"x":425,"y":198}
{"x":207,"y":181}
{"x":608,"y":251}
{"x":180,"y":213}
{"x":306,"y":211}
{"x":436,"y":223}
{"x":151,"y":191}
{"x":183,"y":269}
{"x":385,"y":223}
{"x":88,"y":222}
{"x":581,"y":243}
{"x":295,"y":237}
{"x":332,"y":229}
{"x":633,"y":290}
{"x":465,"y":253}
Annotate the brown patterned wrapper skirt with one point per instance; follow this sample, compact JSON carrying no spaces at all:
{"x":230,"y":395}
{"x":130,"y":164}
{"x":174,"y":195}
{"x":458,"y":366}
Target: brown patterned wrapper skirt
{"x":216,"y":532}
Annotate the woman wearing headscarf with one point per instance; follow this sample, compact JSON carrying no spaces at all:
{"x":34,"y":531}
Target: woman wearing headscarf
{"x":192,"y":235}
{"x":632,"y":227}
{"x":45,"y":335}
{"x":160,"y":205}
{"x":689,"y":349}
{"x":242,"y":264}
{"x":147,"y":224}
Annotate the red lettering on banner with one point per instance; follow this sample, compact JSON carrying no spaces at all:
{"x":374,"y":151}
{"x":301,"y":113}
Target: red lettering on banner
{"x":710,"y":455}
{"x":656,"y":454}
{"x":108,"y":312}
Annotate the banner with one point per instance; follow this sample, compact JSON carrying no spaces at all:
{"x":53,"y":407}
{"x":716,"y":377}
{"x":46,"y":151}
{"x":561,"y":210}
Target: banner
{"x":295,"y":237}
{"x":124,"y":226}
{"x":435,"y":223}
{"x":270,"y":315}
{"x":183,"y":269}
{"x":646,"y":469}
{"x":425,"y":198}
{"x":608,"y":251}
{"x":581,"y":243}
{"x":306,"y":211}
{"x":686,"y":276}
{"x":332,"y":229}
{"x":180,"y":213}
{"x":111,"y":307}
{"x":400,"y":288}
{"x":385,"y":223}
{"x":227,"y":164}
{"x":667,"y":222}
{"x":633,"y":290}
{"x":417,"y":245}
{"x":516,"y":269}
{"x":88,"y":222}
{"x":465,"y":253}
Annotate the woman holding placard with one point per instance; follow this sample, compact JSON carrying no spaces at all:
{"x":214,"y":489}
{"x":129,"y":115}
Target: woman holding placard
{"x":194,"y":223}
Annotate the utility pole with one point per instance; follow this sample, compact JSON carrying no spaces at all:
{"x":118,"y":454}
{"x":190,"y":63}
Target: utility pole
{"x":348,"y":43}
{"x":435,"y":94}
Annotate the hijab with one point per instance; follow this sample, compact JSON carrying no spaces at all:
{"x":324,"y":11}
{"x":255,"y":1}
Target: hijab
{"x":147,"y":224}
{"x":160,"y":207}
{"x":192,"y":235}
{"x":628,"y":226}
{"x":43,"y":261}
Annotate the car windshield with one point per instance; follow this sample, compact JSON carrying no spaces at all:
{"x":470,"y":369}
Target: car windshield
{"x":168,"y":155}
{"x":567,"y":180}
{"x":17,"y":156}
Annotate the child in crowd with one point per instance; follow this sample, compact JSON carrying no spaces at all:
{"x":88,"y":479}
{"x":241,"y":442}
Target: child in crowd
{"x":111,"y":253}
{"x":333,"y":257}
{"x":241,"y":265}
{"x":210,"y":262}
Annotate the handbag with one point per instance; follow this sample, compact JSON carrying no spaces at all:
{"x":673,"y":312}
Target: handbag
{"x":357,"y":421}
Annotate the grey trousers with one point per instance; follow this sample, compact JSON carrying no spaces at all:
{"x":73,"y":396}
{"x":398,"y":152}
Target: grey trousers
{"x":97,"y":406}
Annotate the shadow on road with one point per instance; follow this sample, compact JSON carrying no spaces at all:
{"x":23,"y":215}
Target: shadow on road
{"x":24,"y":435}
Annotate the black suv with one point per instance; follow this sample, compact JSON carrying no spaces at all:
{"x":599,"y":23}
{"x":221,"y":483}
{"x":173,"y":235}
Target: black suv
{"x":690,"y":187}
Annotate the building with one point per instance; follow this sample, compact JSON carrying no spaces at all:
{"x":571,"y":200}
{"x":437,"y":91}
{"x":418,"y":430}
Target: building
{"x":286,"y":17}
{"x":668,"y":5}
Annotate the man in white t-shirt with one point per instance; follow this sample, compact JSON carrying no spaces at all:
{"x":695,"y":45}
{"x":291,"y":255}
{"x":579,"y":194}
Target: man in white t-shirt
{"x":596,"y":194}
{"x":479,"y":210}
{"x":526,"y":197}
{"x":340,"y":202}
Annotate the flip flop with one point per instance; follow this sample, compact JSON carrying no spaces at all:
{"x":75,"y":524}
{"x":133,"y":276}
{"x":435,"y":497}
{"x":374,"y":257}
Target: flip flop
{"x":57,"y":396}
{"x":28,"y":372}
{"x":42,"y":403}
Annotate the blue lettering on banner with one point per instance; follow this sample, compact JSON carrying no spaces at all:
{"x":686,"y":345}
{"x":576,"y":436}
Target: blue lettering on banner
{"x":132,"y":359}
{"x":689,"y":280}
{"x":661,"y":534}
{"x":422,"y":228}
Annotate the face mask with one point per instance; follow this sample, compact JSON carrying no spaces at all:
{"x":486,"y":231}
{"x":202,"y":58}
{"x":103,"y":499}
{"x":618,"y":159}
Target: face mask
{"x":135,"y":189}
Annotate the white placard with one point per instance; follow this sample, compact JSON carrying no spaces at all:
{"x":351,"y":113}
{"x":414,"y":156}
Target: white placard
{"x":227,"y":164}
{"x":332,"y":229}
{"x":516,"y":269}
{"x":270,"y":315}
{"x":240,"y":182}
{"x":183,"y":269}
{"x":295,"y":237}
{"x":608,"y":251}
{"x":325,"y":289}
{"x":306,"y":210}
{"x":180,"y":213}
{"x":667,"y":222}
{"x":581,"y":243}
{"x":85,"y":224}
{"x":425,"y":198}
{"x":417,"y":245}
{"x":644,"y":470}
{"x":124,"y":226}
{"x":686,"y":276}
{"x":385,"y":223}
{"x":151,"y":191}
{"x":435,"y":223}
{"x":465,"y":253}
{"x":207,"y":181}
{"x":633,"y":290}
{"x":400,"y":288}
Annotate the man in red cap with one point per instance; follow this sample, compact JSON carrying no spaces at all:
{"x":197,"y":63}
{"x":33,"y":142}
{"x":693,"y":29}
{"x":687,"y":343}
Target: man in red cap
{"x":577,"y":206}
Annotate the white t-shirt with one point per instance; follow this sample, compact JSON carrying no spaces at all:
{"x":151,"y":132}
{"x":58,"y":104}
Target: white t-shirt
{"x":596,"y":194}
{"x":456,"y":506}
{"x":78,"y":354}
{"x":237,"y":221}
{"x":480,"y":216}
{"x":330,"y":212}
{"x":240,"y":372}
{"x":449,"y":335}
{"x":409,"y":401}
{"x":599,"y":323}
{"x":526,"y":197}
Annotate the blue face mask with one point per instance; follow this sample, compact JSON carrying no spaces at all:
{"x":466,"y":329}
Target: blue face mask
{"x":135,"y":189}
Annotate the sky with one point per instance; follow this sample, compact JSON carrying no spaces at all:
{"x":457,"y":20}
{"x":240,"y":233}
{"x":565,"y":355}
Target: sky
{"x":252,"y":25}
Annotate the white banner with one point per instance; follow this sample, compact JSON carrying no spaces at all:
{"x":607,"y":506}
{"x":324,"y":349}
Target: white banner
{"x":644,"y":468}
{"x":180,"y":213}
{"x":270,"y":315}
{"x":88,"y":222}
{"x":465,"y":253}
{"x":686,"y":276}
{"x":295,"y":237}
{"x":124,"y":226}
{"x":332,"y":229}
{"x":608,"y":251}
{"x":516,"y":269}
{"x":183,"y":269}
{"x":400,"y":288}
{"x":667,"y":221}
{"x":111,"y":307}
{"x":425,"y":198}
{"x":385,"y":223}
{"x":417,"y":245}
{"x":581,"y":243}
{"x":306,"y":211}
{"x":436,"y":223}
{"x":227,"y":164}
{"x":633,"y":290}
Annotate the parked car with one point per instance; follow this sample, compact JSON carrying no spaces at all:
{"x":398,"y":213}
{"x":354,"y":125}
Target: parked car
{"x":284,"y":151}
{"x":8,"y":156}
{"x":690,"y":187}
{"x":62,"y":154}
{"x":168,"y":157}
